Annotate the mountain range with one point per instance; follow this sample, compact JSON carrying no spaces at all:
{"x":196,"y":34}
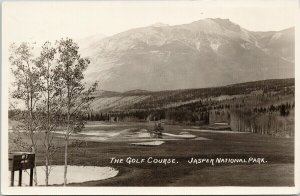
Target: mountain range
{"x":205,"y":53}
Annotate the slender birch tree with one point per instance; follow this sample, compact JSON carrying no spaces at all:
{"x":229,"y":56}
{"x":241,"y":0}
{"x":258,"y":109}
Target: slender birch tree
{"x":50,"y":106}
{"x":77,"y":98}
{"x":26,"y":87}
{"x":52,"y":89}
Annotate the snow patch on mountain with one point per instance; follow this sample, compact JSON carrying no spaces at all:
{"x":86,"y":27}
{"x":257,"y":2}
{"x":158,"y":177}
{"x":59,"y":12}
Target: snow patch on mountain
{"x":198,"y":45}
{"x":276,"y":36}
{"x":214,"y":45}
{"x":188,"y":56}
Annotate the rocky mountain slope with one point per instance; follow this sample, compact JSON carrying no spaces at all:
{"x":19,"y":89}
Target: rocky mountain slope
{"x":204,"y":53}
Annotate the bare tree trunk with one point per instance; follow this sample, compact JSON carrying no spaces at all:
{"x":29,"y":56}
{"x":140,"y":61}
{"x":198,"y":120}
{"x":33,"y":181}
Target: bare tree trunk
{"x":33,"y":150}
{"x":47,"y":168}
{"x":66,"y":160}
{"x":66,"y":156}
{"x":34,"y":169}
{"x":47,"y":149}
{"x":32,"y":135}
{"x":67,"y":138}
{"x":47,"y":133}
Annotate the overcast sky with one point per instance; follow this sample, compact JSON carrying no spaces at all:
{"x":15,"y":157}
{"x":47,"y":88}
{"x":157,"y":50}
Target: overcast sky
{"x":40,"y":21}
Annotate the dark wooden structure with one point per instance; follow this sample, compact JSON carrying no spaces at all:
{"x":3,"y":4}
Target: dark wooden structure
{"x":19,"y":161}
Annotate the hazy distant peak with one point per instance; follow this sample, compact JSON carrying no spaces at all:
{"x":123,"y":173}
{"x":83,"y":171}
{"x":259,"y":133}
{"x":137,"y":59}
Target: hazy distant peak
{"x":90,"y":40}
{"x":227,"y":24}
{"x":221,"y":20}
{"x":218,"y":23}
{"x":290,"y":29}
{"x":159,"y":24}
{"x":93,"y":37}
{"x":216,"y":20}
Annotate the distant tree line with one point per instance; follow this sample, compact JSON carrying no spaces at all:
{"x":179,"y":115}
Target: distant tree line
{"x":258,"y":100}
{"x":283,"y":109}
{"x":163,"y":98}
{"x":96,"y":116}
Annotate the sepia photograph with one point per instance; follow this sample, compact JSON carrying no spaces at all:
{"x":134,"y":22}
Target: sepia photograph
{"x":149,"y":97}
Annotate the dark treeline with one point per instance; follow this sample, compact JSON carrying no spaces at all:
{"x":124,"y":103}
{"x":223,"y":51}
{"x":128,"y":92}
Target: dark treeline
{"x":264,"y":121}
{"x":263,"y":114}
{"x":162,"y":98}
{"x":262,"y":103}
{"x":283,"y":109}
{"x":171,"y":115}
{"x":96,"y":116}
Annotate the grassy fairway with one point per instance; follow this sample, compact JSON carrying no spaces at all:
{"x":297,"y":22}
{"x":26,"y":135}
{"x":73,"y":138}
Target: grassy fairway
{"x":278,"y":152}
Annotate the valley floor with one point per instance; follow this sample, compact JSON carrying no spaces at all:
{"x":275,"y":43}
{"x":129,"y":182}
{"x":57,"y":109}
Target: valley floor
{"x":276,"y":170}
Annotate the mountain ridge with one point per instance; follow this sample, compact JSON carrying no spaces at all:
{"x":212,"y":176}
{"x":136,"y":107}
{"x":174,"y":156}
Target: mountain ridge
{"x":190,"y":55}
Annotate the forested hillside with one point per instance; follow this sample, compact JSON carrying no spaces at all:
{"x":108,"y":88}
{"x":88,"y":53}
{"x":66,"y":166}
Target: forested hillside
{"x":265,"y":107}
